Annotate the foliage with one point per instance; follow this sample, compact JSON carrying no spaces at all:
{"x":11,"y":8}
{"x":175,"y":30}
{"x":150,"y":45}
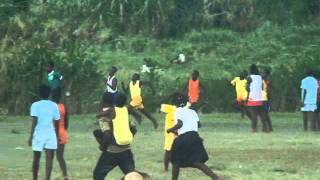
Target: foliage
{"x":219,"y":38}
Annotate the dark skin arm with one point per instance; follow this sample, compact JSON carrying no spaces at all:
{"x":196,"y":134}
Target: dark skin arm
{"x":203,"y":90}
{"x":114,"y":84}
{"x":269,"y":91}
{"x":175,"y":128}
{"x":125,"y":88}
{"x":249,"y":80}
{"x":56,"y":127}
{"x":185,"y":87}
{"x":199,"y":124}
{"x":303,"y":96}
{"x":110,"y":113}
{"x":33,"y":126}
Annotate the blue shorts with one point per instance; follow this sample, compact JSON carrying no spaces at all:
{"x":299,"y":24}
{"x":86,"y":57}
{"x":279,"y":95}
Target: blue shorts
{"x":309,"y":108}
{"x":40,"y":143}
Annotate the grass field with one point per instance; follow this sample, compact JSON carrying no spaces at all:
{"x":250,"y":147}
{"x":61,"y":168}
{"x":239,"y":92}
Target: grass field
{"x":235,"y":153}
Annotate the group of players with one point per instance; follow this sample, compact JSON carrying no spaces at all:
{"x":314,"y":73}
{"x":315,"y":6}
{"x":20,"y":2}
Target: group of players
{"x":183,"y":145}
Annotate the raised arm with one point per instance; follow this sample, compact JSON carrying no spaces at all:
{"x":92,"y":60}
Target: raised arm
{"x":33,"y":126}
{"x":125,"y":88}
{"x":149,"y":84}
{"x":203,"y":90}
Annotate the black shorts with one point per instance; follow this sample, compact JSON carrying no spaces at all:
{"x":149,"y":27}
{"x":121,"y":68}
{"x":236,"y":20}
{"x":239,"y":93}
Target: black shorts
{"x":108,"y":161}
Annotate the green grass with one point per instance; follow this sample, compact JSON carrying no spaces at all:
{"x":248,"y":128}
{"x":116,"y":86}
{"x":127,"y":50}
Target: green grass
{"x":235,"y":153}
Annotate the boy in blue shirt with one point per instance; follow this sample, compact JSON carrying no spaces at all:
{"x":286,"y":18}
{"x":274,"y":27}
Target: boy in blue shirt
{"x":309,"y":89}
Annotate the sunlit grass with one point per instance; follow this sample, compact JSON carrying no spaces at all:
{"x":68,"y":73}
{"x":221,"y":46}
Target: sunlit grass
{"x":235,"y":153}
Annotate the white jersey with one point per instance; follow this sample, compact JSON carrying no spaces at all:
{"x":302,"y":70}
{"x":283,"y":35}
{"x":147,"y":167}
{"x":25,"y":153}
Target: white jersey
{"x":189,"y":120}
{"x":109,"y":82}
{"x":256,"y":88}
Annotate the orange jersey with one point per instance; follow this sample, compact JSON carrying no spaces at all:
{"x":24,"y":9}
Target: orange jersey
{"x":194,"y":90}
{"x":63,"y":135}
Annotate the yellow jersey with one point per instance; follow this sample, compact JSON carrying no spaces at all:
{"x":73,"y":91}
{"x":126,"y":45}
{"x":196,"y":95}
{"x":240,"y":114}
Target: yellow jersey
{"x":241,"y":88}
{"x":265,"y":91}
{"x":170,"y":121}
{"x":135,"y":89}
{"x":121,"y":127}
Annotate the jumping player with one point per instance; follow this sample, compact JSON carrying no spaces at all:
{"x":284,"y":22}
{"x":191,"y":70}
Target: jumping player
{"x":135,"y":87}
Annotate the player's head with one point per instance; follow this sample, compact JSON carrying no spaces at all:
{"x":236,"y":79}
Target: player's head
{"x":310,"y":72}
{"x":266,"y":73}
{"x":56,"y":96}
{"x":107,"y":99}
{"x":113,"y":70}
{"x":243,"y":74}
{"x":135,"y":77}
{"x":121,"y":100}
{"x":180,"y":100}
{"x":195,"y":74}
{"x":44,"y":91}
{"x":254,"y":70}
{"x":50,"y":66}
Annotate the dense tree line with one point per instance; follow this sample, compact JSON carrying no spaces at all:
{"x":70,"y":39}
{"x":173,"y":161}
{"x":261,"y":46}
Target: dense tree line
{"x":80,"y":34}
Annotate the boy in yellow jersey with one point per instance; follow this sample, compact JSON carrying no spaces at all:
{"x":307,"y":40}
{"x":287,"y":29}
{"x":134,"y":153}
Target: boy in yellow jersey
{"x":168,"y":137}
{"x":240,"y":84}
{"x":105,"y":116}
{"x":118,"y":153}
{"x":135,"y":86}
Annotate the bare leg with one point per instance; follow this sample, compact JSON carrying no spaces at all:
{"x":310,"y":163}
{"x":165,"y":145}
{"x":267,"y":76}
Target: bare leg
{"x":175,"y":171}
{"x":62,"y":163}
{"x":263,"y":118}
{"x":254,"y":118}
{"x":35,"y":164}
{"x":152,"y":119}
{"x":305,"y":121}
{"x":206,"y":170}
{"x":49,"y":162}
{"x":166,"y":160}
{"x":317,"y":120}
{"x":312,"y":119}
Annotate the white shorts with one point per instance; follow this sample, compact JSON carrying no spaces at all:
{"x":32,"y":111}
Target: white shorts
{"x":309,"y":108}
{"x":40,"y":143}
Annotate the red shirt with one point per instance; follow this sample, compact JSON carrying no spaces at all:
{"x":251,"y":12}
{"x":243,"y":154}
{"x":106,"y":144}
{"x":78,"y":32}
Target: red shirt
{"x":194,"y":90}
